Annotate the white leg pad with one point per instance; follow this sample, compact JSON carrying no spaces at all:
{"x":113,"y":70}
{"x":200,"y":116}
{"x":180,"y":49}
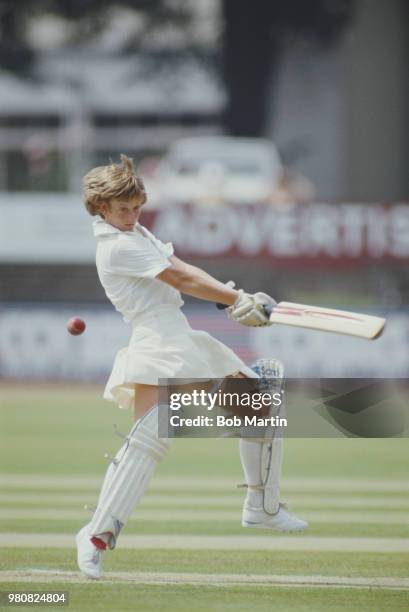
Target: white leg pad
{"x":272,"y":457}
{"x":128,"y":476}
{"x":262,"y":458}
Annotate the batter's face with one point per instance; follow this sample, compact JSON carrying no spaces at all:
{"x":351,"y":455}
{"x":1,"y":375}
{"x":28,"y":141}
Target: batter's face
{"x":122,"y":214}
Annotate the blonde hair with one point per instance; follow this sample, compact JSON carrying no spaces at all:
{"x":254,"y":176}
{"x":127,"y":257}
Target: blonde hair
{"x":105,"y":183}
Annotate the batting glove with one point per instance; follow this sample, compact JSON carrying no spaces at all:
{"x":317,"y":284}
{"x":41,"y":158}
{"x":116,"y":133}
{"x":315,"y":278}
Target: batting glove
{"x":249,"y":309}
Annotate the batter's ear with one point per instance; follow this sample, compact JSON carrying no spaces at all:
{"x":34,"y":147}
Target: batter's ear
{"x":104,"y":207}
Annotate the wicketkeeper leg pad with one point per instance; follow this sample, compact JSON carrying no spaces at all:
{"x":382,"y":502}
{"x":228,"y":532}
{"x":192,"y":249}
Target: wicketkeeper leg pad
{"x":128,"y":476}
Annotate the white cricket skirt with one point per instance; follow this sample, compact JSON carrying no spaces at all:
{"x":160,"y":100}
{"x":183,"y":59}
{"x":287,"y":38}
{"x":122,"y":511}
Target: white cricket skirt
{"x":163,"y":345}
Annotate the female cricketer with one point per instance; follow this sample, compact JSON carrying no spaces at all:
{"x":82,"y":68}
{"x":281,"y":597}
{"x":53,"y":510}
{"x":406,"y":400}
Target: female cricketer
{"x":144,"y":280}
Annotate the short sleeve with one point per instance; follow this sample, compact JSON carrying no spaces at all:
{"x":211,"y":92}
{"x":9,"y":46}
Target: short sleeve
{"x":137,"y":258}
{"x":165,"y":249}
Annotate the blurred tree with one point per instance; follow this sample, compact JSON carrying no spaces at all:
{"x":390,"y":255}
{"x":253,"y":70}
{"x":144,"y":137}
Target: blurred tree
{"x":91,"y":18}
{"x":15,"y":53}
{"x":254,"y":36}
{"x":251,"y":43}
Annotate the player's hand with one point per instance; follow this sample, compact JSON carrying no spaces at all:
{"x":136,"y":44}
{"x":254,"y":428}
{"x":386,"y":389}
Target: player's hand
{"x":265,"y":300}
{"x":249,"y":309}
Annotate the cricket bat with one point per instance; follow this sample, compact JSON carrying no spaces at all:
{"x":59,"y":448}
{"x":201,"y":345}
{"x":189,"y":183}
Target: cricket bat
{"x":326,"y":319}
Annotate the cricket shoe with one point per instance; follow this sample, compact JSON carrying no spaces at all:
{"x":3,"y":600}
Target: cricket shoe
{"x":89,"y":556}
{"x":257,"y":518}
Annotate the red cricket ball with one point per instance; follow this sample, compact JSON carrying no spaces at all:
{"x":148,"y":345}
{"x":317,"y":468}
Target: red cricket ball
{"x":76,"y":326}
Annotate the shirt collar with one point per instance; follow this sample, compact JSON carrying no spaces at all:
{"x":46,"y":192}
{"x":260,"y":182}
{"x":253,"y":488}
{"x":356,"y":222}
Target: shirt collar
{"x":102,"y":228}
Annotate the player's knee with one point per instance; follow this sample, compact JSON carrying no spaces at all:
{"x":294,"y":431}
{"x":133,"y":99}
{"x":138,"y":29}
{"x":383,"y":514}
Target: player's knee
{"x":144,"y":436}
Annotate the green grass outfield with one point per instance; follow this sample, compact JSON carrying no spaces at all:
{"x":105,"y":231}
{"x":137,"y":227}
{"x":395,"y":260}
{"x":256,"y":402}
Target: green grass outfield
{"x":184,"y":548}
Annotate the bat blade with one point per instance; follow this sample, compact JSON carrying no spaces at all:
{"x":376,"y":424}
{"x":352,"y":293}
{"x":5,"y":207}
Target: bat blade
{"x":328,"y":319}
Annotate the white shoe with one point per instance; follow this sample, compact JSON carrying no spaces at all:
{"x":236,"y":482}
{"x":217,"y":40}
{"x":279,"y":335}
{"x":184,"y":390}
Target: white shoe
{"x":89,"y":556}
{"x":257,"y":518}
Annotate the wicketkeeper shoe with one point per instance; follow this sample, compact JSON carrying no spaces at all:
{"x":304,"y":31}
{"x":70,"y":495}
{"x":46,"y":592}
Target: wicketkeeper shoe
{"x":89,"y":556}
{"x":256,"y":518}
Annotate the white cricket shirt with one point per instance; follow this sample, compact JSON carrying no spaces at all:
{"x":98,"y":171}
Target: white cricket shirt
{"x":127,"y":264}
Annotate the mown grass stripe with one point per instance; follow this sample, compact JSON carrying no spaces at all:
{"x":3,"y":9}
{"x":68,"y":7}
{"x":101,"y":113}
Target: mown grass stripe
{"x":183,"y":542}
{"x":312,"y":501}
{"x":181,"y":515}
{"x":398,"y":486}
{"x":231,"y":491}
{"x":175,"y":578}
{"x":206,"y":528}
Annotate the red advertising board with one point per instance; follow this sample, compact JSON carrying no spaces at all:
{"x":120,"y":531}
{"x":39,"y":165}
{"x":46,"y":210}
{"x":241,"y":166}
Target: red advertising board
{"x":328,"y":233}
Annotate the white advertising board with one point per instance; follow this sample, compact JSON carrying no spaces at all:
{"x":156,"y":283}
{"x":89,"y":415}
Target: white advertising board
{"x":35,"y":345}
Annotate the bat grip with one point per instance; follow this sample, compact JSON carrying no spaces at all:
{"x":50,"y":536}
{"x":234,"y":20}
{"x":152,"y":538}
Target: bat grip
{"x":266,"y":308}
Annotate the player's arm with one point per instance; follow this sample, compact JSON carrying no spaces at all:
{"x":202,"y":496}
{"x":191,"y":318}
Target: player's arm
{"x":196,"y":282}
{"x":244,"y":308}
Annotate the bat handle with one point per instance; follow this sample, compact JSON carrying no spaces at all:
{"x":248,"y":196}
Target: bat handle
{"x":267,"y":309}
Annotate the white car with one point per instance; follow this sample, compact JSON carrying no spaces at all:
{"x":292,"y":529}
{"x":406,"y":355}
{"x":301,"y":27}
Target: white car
{"x":219,"y":169}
